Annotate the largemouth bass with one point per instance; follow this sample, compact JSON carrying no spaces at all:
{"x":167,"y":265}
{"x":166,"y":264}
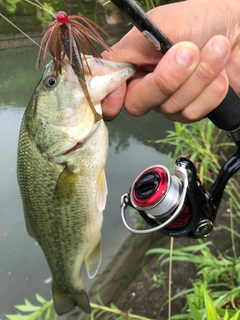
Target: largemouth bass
{"x":62,"y":154}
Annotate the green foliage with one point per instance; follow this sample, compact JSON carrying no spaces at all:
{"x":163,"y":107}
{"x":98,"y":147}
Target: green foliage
{"x":146,"y":4}
{"x":201,"y":143}
{"x":218,"y":269}
{"x":215,"y":294}
{"x":211,"y":309}
{"x":149,"y":4}
{"x":217,"y":286}
{"x":44,"y":310}
{"x":108,"y":312}
{"x":10,"y":5}
{"x":45,"y":16}
{"x":206,"y":146}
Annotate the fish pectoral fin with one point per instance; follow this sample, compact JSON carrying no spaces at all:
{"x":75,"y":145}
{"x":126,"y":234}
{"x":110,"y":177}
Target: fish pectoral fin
{"x":66,"y":302}
{"x":65,"y":188}
{"x":93,"y":260}
{"x":102,"y":191}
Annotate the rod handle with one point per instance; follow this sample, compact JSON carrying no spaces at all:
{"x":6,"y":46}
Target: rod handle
{"x":227,"y":115}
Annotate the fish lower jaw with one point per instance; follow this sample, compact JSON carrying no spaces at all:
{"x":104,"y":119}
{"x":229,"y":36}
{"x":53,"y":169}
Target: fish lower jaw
{"x":77,"y":146}
{"x":70,"y":153}
{"x":74,"y":151}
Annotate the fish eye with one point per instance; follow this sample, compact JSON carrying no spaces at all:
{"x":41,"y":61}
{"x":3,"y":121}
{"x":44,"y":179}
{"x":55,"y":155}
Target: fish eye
{"x":50,"y":81}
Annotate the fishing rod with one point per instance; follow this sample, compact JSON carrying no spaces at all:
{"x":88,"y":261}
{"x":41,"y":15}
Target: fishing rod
{"x":178,"y":205}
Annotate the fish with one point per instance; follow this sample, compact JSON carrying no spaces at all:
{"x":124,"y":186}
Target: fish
{"x":62,"y":154}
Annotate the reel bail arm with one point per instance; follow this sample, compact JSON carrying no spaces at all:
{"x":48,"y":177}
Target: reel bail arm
{"x":182,"y":207}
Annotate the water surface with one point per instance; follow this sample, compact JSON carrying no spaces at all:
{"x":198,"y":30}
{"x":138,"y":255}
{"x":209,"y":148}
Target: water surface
{"x":23,"y":269}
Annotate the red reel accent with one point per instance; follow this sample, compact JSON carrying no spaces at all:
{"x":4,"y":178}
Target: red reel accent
{"x":181,"y":219}
{"x":158,"y":194}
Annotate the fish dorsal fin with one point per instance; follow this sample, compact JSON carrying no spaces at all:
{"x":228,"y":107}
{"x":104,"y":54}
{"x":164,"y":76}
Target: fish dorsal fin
{"x":93,"y":260}
{"x":65,"y":302}
{"x":102,"y":191}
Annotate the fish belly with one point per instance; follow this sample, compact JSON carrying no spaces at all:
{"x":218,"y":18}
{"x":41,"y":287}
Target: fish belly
{"x":67,"y":225}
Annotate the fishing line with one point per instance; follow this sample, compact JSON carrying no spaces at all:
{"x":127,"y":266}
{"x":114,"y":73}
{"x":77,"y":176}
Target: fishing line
{"x":25,"y":34}
{"x":21,"y":31}
{"x":147,"y":134}
{"x":33,"y":41}
{"x":42,"y":7}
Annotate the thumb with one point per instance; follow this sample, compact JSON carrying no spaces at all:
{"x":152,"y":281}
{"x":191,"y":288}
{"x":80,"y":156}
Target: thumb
{"x":112,"y":104}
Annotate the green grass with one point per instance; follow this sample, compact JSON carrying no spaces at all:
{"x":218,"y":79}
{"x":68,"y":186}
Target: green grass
{"x":208,"y":148}
{"x":44,"y":311}
{"x":218,"y":278}
{"x":202,"y":143}
{"x":215,"y":294}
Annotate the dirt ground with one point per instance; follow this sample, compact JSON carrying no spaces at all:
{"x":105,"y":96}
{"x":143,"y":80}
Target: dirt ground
{"x":131,"y":289}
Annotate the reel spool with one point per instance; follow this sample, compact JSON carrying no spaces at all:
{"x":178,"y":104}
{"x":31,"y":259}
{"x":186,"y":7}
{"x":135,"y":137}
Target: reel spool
{"x":168,"y":202}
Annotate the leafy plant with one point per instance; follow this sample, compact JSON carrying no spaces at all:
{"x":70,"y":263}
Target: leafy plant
{"x":10,"y":5}
{"x":206,"y":146}
{"x":35,"y":312}
{"x":217,"y":287}
{"x":211,"y":309}
{"x":202,"y":143}
{"x":45,"y":311}
{"x":45,"y":16}
{"x":218,"y":269}
{"x":146,"y":4}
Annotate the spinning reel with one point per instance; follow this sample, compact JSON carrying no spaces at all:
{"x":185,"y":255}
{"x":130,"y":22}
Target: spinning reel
{"x":177,"y":205}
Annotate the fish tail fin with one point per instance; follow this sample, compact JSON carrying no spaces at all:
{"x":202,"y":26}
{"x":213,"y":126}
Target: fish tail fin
{"x":65,"y":302}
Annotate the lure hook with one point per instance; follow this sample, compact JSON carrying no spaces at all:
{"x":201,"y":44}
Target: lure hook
{"x":73,"y":36}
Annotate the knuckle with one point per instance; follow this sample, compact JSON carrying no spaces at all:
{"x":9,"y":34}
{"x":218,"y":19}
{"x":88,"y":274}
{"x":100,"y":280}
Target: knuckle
{"x":132,"y":108}
{"x":205,"y":72}
{"x":191,"y":115}
{"x":219,"y":87}
{"x":170,"y":107}
{"x":167,"y":84}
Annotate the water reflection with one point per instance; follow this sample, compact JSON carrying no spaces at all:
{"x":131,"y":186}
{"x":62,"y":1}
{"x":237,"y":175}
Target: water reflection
{"x":23,"y":269}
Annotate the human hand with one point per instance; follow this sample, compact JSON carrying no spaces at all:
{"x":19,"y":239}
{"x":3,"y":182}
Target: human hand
{"x":193,"y":77}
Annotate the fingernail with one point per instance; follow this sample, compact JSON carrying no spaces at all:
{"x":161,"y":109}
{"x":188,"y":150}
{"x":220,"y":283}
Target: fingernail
{"x":220,"y":47}
{"x":184,"y":57}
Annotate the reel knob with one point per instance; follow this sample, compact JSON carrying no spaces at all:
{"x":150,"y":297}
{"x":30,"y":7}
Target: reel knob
{"x":175,"y":205}
{"x":203,"y":228}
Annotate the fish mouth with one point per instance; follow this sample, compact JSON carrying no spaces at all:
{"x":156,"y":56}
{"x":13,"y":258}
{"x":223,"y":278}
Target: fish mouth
{"x":79,"y":145}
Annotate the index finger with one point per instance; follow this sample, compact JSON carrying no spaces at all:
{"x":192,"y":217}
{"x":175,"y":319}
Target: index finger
{"x":148,"y":92}
{"x":134,"y":48}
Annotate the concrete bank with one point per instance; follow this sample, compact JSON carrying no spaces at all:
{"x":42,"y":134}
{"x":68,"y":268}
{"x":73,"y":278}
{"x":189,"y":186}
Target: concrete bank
{"x":11,"y":41}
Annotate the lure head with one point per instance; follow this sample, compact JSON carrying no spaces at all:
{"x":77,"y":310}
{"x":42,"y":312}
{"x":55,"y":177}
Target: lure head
{"x":62,"y":17}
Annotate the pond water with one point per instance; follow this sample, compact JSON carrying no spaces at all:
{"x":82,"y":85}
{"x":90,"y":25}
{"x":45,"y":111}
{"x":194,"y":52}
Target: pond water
{"x":23,"y":269}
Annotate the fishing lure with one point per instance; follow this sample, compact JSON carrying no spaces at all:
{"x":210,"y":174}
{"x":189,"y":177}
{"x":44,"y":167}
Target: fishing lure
{"x":67,"y":36}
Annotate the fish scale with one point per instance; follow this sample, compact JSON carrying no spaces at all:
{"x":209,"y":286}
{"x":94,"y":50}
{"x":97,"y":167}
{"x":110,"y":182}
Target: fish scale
{"x":62,"y":155}
{"x":66,"y":240}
